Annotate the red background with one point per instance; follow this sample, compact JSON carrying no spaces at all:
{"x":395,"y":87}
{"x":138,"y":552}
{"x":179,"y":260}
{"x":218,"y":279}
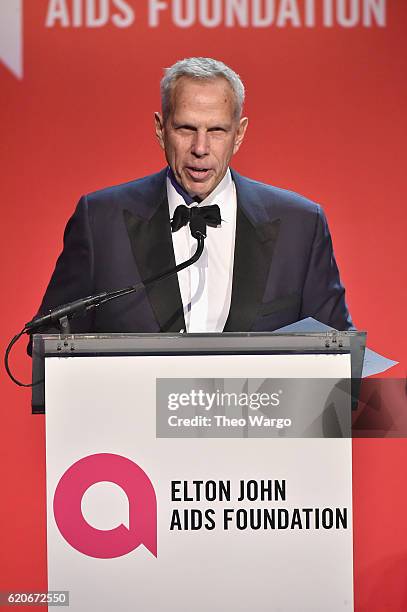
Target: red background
{"x":327,"y":119}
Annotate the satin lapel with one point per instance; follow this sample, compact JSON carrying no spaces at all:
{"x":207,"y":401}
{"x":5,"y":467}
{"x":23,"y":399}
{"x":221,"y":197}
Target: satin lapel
{"x":151,"y":243}
{"x":254,"y":246}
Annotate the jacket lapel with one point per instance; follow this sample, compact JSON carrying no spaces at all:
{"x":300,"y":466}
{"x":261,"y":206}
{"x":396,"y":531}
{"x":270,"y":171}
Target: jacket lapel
{"x":256,"y":236}
{"x":151,"y":243}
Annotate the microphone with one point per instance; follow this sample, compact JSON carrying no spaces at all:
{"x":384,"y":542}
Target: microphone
{"x":64,"y":312}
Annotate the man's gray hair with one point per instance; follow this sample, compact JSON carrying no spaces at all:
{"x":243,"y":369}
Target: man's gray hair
{"x":200,"y":68}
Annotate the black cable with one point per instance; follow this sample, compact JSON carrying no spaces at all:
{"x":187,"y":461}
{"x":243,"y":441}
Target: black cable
{"x":6,"y":365}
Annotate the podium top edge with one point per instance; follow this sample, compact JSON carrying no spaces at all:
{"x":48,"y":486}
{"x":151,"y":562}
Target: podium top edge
{"x":184,"y":343}
{"x":312,"y":334}
{"x":230,"y":343}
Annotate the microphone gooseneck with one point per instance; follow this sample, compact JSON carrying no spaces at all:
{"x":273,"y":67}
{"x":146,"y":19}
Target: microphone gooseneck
{"x":63,"y":313}
{"x":197,"y":227}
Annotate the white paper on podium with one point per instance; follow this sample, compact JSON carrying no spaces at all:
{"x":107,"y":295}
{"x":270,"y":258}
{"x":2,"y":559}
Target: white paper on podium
{"x":107,"y":405}
{"x":373,"y":363}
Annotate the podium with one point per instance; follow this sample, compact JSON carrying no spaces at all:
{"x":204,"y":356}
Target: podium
{"x":199,"y":471}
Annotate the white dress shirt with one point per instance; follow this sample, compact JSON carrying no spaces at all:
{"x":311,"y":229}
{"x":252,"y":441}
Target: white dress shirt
{"x":206,"y":286}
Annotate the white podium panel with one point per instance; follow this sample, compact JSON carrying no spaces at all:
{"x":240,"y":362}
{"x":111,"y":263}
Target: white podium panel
{"x":204,"y":523}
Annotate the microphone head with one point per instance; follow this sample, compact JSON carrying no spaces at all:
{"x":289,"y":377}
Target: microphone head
{"x":197,"y":226}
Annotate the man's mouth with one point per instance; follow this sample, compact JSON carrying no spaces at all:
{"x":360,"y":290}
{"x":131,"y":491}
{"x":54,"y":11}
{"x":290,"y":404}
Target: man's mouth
{"x":197,"y":174}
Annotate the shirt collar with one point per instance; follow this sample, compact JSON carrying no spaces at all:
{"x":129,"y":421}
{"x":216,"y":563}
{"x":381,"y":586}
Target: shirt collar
{"x":221,"y":195}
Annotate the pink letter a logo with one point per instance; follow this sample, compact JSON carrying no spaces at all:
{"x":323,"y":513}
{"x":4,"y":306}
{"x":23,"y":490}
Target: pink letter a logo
{"x":142,"y":507}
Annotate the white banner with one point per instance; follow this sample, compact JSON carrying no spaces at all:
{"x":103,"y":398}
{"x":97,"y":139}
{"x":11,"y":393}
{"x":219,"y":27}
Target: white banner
{"x":182,"y":524}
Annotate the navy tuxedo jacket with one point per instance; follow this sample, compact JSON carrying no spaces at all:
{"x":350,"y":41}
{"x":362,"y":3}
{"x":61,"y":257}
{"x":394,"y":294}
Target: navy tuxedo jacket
{"x":284,"y":267}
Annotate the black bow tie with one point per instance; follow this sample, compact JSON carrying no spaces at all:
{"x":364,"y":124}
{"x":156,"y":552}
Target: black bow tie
{"x":183,"y":215}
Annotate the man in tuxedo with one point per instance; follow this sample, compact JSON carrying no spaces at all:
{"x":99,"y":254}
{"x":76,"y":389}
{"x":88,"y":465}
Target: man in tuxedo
{"x":268,"y":258}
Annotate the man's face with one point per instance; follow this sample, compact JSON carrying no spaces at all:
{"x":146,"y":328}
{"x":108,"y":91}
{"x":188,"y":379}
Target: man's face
{"x":201,"y":133}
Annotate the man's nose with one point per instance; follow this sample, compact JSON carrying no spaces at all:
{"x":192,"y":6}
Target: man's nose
{"x":200,"y":145}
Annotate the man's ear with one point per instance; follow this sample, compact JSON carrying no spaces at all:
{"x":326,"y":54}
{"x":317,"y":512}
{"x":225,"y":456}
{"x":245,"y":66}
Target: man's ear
{"x":240,"y":134}
{"x":159,"y":128}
